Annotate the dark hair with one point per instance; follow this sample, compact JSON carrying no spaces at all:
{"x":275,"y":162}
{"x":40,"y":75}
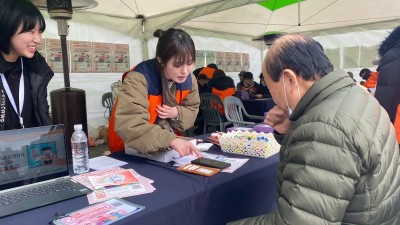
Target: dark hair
{"x":221,"y":83}
{"x":175,"y":42}
{"x":299,"y":53}
{"x":202,"y":77}
{"x":213,"y":65}
{"x":248,"y":75}
{"x":261,"y":76}
{"x":392,"y":40}
{"x":218,"y":73}
{"x":13,"y":13}
{"x":365,"y":73}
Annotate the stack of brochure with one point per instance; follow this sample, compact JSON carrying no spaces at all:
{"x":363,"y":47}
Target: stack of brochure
{"x":115,"y":182}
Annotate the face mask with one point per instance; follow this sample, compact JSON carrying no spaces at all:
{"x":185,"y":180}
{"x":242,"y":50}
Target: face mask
{"x":290,"y":111}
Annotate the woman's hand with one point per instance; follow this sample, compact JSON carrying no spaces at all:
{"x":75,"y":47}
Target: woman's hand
{"x":166,"y":111}
{"x":184,"y":147}
{"x":278,"y":119}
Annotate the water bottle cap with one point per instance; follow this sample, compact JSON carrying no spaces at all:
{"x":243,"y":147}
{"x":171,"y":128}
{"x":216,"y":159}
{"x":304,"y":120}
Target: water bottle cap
{"x":78,"y":127}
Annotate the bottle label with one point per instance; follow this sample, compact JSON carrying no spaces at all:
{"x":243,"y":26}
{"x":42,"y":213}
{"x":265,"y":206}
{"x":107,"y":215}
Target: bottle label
{"x":79,"y":146}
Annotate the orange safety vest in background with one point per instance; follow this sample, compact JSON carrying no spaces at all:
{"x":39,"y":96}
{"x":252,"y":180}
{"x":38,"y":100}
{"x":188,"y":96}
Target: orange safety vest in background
{"x":372,"y":80}
{"x":208,"y":71}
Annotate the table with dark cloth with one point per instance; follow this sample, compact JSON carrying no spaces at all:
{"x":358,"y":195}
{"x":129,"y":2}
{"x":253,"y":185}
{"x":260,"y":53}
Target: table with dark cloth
{"x":258,"y":106}
{"x":182,"y":198}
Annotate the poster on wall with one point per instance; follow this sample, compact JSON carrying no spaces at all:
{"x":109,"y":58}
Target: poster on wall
{"x":102,"y":54}
{"x":200,"y":59}
{"x":53,"y":55}
{"x":245,"y":61}
{"x":237,"y":62}
{"x":121,"y":61}
{"x":229,"y":61}
{"x":220,"y":60}
{"x":81,"y":56}
{"x":210,"y":57}
{"x":41,"y":48}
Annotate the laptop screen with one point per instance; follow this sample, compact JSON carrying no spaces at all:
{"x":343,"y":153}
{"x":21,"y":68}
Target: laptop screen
{"x":32,"y":155}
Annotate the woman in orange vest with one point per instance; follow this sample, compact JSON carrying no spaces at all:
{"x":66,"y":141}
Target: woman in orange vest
{"x":160,"y":97}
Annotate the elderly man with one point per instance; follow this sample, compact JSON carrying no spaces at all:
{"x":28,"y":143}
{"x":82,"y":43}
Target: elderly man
{"x":339,"y":159}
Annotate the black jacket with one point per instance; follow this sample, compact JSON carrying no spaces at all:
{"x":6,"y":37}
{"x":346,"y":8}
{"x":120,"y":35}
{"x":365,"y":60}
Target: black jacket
{"x":39,"y":75}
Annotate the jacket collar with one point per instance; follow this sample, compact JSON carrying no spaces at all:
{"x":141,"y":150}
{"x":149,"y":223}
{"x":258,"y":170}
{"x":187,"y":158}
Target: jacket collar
{"x":320,"y":90}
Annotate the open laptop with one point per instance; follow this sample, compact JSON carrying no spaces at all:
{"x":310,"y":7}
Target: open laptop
{"x":34,"y":169}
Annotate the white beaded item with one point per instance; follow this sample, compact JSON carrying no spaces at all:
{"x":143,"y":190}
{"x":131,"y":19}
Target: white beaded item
{"x":261,"y":144}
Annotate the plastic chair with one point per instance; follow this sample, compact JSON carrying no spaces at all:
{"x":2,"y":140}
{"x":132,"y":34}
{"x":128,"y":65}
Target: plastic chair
{"x":108,"y":102}
{"x":209,"y":104}
{"x":234,"y":111}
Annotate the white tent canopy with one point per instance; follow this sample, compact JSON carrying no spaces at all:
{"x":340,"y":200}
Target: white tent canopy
{"x":247,"y":18}
{"x":227,"y":26}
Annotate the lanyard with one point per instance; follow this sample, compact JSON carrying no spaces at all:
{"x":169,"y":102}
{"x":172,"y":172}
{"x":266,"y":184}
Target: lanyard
{"x":21,"y":93}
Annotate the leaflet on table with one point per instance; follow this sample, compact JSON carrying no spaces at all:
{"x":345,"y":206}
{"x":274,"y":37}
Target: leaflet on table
{"x":83,"y":178}
{"x":119,"y":191}
{"x":100,"y":214}
{"x":113,"y":179}
{"x":188,"y":159}
{"x":105,"y":162}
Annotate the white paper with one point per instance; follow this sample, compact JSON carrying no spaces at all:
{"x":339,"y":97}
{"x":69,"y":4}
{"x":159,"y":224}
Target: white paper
{"x":104,"y":162}
{"x":204,"y":146}
{"x":236,"y":163}
{"x":188,"y":159}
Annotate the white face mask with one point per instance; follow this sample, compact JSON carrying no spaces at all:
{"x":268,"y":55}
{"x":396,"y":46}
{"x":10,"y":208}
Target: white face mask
{"x":290,"y":111}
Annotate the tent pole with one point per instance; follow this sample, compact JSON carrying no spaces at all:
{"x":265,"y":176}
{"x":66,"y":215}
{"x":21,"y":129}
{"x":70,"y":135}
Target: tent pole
{"x":298,"y":13}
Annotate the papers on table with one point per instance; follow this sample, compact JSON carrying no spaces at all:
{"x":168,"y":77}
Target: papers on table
{"x":102,"y":213}
{"x":129,"y":183}
{"x":104,"y":162}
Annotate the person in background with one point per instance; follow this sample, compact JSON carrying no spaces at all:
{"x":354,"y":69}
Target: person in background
{"x":240,"y":84}
{"x":202,"y":81}
{"x":222,"y":85}
{"x":370,"y":77}
{"x":263,"y":89}
{"x":388,"y":82}
{"x":209,"y":70}
{"x":160,"y":97}
{"x":339,"y":159}
{"x":25,"y":74}
{"x":250,"y":86}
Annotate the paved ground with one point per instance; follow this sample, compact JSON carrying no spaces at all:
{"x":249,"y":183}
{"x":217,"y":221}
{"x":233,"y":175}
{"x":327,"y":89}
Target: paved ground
{"x":98,"y":150}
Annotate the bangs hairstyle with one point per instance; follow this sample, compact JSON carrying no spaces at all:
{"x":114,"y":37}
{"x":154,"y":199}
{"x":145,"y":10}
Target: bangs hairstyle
{"x":301,"y":54}
{"x":13,"y":13}
{"x":175,"y":42}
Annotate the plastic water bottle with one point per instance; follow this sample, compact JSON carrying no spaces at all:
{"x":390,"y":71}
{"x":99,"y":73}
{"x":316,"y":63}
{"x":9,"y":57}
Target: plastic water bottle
{"x":80,"y":151}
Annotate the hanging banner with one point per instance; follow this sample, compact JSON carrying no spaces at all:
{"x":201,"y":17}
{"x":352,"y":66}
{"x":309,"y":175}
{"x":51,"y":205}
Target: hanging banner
{"x":121,"y":62}
{"x":210,"y":57}
{"x":81,"y":56}
{"x":245,"y":61}
{"x":220,"y":60}
{"x":237,"y":62}
{"x":102,"y":54}
{"x":200,"y":59}
{"x":53,"y":55}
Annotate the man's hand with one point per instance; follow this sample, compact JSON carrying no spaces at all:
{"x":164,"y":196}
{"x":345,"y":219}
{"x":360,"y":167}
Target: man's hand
{"x":278,"y":119}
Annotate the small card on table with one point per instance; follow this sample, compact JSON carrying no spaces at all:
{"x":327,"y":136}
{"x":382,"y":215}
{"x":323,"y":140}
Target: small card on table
{"x":199,"y":170}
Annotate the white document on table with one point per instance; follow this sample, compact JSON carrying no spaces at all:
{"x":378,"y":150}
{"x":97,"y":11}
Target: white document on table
{"x":236,"y":163}
{"x":104,"y":162}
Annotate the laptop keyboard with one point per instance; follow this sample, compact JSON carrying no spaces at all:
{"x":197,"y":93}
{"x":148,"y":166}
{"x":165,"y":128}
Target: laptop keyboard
{"x":35,"y":191}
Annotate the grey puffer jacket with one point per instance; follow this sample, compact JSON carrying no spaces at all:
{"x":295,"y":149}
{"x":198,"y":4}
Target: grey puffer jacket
{"x":339,"y":162}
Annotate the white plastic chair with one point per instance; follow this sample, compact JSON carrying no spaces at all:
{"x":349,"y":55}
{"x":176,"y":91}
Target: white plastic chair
{"x":234,"y":111}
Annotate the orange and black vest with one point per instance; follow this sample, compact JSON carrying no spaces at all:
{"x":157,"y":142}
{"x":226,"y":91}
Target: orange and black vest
{"x":154,"y":94}
{"x":208,"y":71}
{"x":222,"y":95}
